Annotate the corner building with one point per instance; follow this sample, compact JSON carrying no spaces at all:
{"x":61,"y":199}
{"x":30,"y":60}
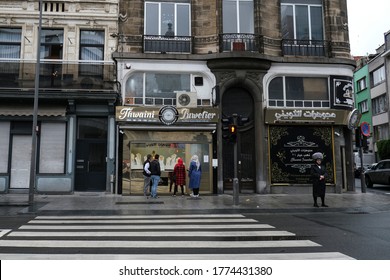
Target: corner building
{"x":285,"y":65}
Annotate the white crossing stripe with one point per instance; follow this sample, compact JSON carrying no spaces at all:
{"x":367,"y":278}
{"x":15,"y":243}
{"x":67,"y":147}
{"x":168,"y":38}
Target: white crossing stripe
{"x":201,"y":216}
{"x":151,"y":226}
{"x":150,"y":233}
{"x":149,"y":221}
{"x":155,"y":244}
{"x":267,"y":256}
{"x":4,"y":232}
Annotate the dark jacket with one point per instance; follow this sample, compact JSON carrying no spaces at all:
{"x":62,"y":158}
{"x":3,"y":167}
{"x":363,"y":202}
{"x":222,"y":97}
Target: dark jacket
{"x":318,"y":185}
{"x":155,"y":168}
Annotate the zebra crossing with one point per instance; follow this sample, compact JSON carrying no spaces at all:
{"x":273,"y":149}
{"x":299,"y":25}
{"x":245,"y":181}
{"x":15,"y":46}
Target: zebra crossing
{"x":206,"y":236}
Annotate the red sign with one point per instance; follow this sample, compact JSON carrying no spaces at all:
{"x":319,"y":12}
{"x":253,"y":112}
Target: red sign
{"x":365,"y":128}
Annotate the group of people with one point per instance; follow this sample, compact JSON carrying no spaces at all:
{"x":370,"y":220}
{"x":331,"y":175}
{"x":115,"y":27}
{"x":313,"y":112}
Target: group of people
{"x":152,"y":174}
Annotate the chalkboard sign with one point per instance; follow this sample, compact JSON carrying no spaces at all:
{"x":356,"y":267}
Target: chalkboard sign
{"x":291,"y":150}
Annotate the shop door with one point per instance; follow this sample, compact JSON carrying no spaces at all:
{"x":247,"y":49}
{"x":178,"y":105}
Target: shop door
{"x":91,"y":165}
{"x":239,"y":101}
{"x":91,"y":154}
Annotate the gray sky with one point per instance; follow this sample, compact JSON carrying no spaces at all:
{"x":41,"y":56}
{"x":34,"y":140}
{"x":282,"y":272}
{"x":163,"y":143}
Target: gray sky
{"x":368,"y":20}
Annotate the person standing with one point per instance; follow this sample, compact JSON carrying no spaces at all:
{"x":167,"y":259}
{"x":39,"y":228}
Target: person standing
{"x":195,"y":174}
{"x":146,"y":172}
{"x":155,"y":172}
{"x":179,"y":173}
{"x":318,"y":175}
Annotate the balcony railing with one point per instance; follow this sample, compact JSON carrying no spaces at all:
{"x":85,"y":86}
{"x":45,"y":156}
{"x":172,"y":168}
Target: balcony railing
{"x":167,"y":44}
{"x":306,"y":47}
{"x":58,"y":75}
{"x":232,"y":42}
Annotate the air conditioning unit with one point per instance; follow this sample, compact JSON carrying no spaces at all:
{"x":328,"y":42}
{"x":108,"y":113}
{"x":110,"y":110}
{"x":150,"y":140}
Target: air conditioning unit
{"x":186,"y":99}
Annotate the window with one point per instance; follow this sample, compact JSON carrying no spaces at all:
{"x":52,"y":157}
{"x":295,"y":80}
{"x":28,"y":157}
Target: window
{"x":10,"y":41}
{"x":237,"y":16}
{"x":302,"y":21}
{"x":91,"y":49}
{"x":52,"y":151}
{"x":298,"y":92}
{"x":155,"y":88}
{"x":361,"y":84}
{"x":381,"y":132}
{"x":52,"y":41}
{"x":379,"y":105}
{"x":378,"y":76}
{"x":167,"y":18}
{"x":363,"y":106}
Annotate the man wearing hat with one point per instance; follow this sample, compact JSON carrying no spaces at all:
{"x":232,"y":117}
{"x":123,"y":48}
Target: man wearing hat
{"x":318,"y":174}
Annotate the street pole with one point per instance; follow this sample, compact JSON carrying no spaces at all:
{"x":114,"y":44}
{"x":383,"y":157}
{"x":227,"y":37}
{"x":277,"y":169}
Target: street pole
{"x":35,"y":114}
{"x":362,"y":179}
{"x":235,"y":179}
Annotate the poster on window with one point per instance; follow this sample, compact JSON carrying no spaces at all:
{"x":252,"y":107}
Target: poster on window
{"x":342,"y":89}
{"x":291,"y":149}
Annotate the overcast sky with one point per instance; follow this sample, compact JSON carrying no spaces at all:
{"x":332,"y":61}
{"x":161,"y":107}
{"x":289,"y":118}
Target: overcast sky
{"x":368,"y":20}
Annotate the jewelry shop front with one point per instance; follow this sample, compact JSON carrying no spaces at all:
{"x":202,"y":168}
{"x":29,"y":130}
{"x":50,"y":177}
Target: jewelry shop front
{"x":172,"y":133}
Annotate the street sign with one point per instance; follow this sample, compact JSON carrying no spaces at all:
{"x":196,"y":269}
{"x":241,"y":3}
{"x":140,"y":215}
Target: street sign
{"x":365,"y":128}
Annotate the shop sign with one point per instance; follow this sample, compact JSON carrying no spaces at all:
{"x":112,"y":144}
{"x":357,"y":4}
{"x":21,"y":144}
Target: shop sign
{"x":291,"y":149}
{"x":303,"y":115}
{"x":342,"y":92}
{"x":167,"y":115}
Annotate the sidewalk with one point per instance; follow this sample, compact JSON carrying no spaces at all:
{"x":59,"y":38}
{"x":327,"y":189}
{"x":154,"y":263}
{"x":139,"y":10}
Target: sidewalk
{"x":111,"y":204}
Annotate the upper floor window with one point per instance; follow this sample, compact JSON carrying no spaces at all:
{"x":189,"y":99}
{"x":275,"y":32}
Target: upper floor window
{"x":167,"y":18}
{"x":378,"y":76}
{"x":361,"y":84}
{"x":91,"y":45}
{"x":155,"y":88}
{"x":10,"y":41}
{"x":298,"y":92}
{"x":237,"y":16}
{"x":363,"y":106}
{"x":379,"y":105}
{"x":52,"y":42}
{"x":302,"y":21}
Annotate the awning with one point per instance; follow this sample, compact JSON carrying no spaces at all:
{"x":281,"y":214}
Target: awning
{"x":27,"y":110}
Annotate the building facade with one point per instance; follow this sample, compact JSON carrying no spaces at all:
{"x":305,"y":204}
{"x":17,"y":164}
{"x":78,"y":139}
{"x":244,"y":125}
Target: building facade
{"x":77,"y":94}
{"x":123,"y":79}
{"x":284,"y":66}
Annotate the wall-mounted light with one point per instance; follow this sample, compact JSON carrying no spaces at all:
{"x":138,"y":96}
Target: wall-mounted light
{"x":128,"y":66}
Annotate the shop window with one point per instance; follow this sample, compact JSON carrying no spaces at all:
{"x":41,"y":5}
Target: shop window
{"x":298,"y":92}
{"x":52,"y":148}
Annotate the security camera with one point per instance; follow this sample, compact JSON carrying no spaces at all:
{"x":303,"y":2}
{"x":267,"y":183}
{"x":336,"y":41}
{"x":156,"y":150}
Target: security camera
{"x":337,"y":134}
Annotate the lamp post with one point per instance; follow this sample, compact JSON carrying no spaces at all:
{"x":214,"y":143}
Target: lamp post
{"x":35,"y":114}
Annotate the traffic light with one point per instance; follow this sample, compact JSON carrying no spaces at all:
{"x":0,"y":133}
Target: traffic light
{"x":233,"y":132}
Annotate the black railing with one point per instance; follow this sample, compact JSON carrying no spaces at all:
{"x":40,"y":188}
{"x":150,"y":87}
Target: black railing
{"x":306,"y":47}
{"x":231,"y":42}
{"x":56,"y":75}
{"x":167,"y":44}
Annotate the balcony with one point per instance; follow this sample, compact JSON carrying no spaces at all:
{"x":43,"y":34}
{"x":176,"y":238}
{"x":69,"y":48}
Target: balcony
{"x":167,"y":44}
{"x":87,"y":76}
{"x":241,"y":42}
{"x":317,"y":48}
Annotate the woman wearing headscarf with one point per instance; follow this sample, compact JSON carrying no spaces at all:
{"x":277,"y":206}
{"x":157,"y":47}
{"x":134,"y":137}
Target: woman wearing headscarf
{"x":318,"y":175}
{"x":195,"y":173}
{"x":179,"y":173}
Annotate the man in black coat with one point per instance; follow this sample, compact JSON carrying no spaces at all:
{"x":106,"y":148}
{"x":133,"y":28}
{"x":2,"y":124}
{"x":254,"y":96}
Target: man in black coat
{"x":318,"y":174}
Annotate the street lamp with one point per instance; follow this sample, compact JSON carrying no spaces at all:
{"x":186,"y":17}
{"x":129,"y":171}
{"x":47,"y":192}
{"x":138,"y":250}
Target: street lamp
{"x":35,"y":114}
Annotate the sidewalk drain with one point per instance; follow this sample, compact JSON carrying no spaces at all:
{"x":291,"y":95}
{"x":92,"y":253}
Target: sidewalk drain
{"x":139,"y":202}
